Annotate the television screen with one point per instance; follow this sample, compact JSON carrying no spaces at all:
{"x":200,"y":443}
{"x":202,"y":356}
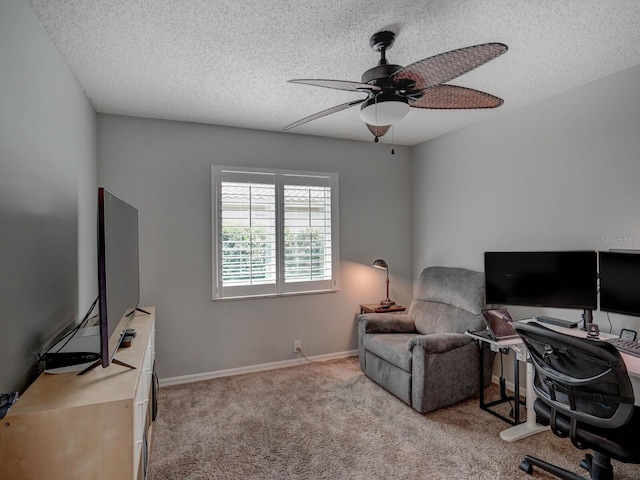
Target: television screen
{"x":543,"y":279}
{"x":118,"y":274}
{"x":620,"y":282}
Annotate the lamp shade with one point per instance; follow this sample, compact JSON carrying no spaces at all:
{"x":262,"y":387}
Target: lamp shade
{"x":379,"y":263}
{"x":379,"y":111}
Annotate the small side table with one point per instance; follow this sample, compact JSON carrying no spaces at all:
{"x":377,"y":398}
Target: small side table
{"x":377,"y":308}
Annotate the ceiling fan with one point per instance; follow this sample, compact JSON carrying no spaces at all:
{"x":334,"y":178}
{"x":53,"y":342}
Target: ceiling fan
{"x":392,"y":89}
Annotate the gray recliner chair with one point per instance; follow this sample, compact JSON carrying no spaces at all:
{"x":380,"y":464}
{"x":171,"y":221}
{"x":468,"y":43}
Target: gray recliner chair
{"x":423,"y":357}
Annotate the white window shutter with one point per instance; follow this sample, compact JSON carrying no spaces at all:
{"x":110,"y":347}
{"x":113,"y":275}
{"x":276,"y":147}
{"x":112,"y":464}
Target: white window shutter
{"x":274,"y":232}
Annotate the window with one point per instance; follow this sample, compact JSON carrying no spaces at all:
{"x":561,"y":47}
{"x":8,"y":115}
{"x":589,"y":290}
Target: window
{"x":274,"y":232}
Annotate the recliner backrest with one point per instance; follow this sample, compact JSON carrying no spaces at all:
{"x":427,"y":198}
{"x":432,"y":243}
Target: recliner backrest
{"x":584,"y":379}
{"x":448,"y":299}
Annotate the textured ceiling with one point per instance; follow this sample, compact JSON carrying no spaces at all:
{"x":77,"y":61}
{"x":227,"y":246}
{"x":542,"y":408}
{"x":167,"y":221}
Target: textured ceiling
{"x":227,"y":62}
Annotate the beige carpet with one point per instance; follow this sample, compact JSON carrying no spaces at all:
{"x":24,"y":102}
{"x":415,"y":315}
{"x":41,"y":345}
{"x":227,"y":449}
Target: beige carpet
{"x":328,"y":421}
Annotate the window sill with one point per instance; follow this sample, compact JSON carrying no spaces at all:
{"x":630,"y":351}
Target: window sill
{"x":276,"y":295}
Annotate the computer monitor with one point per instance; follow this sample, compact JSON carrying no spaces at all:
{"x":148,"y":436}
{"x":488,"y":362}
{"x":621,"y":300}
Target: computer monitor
{"x":562,"y":279}
{"x":620,"y":282}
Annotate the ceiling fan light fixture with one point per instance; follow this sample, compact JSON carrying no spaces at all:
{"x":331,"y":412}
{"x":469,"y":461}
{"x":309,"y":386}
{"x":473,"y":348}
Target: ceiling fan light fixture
{"x":379,"y":111}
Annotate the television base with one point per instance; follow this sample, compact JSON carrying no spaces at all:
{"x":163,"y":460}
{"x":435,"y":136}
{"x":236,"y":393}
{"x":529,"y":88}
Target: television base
{"x":118,"y":362}
{"x":99,"y":362}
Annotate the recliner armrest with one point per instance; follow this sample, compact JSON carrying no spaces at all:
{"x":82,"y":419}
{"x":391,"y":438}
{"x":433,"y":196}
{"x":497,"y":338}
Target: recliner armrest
{"x":439,"y":342}
{"x":386,"y":323}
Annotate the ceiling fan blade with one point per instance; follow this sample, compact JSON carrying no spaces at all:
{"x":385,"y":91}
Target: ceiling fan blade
{"x":339,"y":85}
{"x":323,"y":113}
{"x":378,"y":131}
{"x":454,"y":97}
{"x":449,"y":65}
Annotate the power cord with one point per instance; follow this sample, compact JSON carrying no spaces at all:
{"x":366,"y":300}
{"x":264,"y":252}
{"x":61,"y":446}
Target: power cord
{"x":608,"y":317}
{"x":503,"y":385}
{"x":299,"y":350}
{"x":68,"y":336}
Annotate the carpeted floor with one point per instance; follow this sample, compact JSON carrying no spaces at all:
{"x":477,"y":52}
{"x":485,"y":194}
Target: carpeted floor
{"x":328,"y":421}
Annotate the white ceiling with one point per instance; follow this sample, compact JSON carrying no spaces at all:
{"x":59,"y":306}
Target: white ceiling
{"x":227,"y":62}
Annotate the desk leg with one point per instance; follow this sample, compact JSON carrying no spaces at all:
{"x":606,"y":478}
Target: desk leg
{"x":530,"y":427}
{"x":481,"y":380}
{"x":516,"y":384}
{"x":487,"y":406}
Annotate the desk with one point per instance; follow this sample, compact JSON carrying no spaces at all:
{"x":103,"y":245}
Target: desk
{"x":530,"y":427}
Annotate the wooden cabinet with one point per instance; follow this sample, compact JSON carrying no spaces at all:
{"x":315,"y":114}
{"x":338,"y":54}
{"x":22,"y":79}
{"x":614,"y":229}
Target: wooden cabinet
{"x":94,"y":426}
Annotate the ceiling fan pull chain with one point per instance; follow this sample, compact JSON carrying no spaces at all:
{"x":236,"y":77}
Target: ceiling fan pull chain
{"x":375,"y":100}
{"x":376,"y":109}
{"x":392,"y":140}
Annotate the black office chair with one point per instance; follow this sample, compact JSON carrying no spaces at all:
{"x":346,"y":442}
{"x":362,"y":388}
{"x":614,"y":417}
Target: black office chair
{"x":584,"y":393}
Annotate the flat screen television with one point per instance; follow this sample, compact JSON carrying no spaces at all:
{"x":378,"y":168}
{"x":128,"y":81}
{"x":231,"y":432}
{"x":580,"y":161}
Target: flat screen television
{"x":564,"y":279}
{"x":118,"y":272}
{"x":620,"y":282}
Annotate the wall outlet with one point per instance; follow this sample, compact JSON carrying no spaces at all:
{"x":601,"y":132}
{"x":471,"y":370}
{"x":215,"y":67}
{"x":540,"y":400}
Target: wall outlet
{"x":297,"y":346}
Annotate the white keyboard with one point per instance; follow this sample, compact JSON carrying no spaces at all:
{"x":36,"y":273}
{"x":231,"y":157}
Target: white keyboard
{"x":632,"y":347}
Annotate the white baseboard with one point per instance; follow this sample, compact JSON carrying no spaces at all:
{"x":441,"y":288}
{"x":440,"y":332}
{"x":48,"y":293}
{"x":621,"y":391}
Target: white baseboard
{"x":197,"y":377}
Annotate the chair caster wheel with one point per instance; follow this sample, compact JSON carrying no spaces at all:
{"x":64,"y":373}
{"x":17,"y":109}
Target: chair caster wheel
{"x":586,"y":462}
{"x":526,"y":467}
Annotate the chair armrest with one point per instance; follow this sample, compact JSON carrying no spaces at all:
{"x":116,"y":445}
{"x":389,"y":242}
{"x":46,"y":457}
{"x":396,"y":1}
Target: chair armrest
{"x":386,"y":323}
{"x":439,"y":342}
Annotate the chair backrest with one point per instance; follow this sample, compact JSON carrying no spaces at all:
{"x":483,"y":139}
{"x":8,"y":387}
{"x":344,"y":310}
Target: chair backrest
{"x":584,"y":379}
{"x":448,"y":299}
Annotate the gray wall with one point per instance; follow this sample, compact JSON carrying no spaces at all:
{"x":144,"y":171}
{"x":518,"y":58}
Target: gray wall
{"x":562,"y":174}
{"x":163,"y":169}
{"x":47,"y":194}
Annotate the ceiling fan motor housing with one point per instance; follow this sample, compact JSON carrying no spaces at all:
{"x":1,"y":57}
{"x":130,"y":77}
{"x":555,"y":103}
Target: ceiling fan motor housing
{"x":379,"y":75}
